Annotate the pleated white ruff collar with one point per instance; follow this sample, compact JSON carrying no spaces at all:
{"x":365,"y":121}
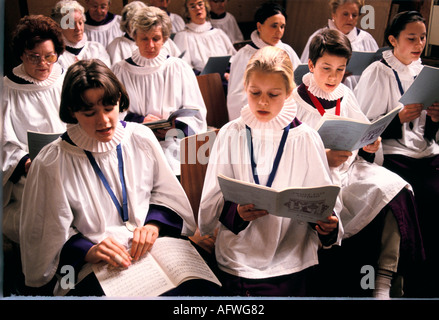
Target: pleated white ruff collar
{"x":77,"y":45}
{"x":337,"y":93}
{"x":398,"y":65}
{"x":284,"y":118}
{"x":145,"y":62}
{"x":199,"y":28}
{"x":84,"y":141}
{"x":51,"y":79}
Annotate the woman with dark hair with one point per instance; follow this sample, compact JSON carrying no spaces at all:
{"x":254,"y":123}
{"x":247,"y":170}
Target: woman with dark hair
{"x":270,"y":20}
{"x":104,"y":186}
{"x":31,"y":97}
{"x":410,"y":144}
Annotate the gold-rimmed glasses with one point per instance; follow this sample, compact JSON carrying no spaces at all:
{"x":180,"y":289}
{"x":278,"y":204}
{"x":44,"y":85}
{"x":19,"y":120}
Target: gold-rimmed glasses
{"x":36,"y":58}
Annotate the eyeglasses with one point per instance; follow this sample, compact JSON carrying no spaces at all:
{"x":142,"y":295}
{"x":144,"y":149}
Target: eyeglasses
{"x":36,"y":58}
{"x":194,"y":6}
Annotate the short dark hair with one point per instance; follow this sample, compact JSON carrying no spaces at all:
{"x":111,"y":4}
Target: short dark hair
{"x":267,"y":10}
{"x":90,"y":74}
{"x":329,"y":41}
{"x":399,"y":22}
{"x":34,"y":29}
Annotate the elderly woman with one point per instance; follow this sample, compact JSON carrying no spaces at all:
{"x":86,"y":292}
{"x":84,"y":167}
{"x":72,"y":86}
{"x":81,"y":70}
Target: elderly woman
{"x":101,"y":25}
{"x":122,"y":47}
{"x":158,"y":84}
{"x":345,"y":15}
{"x":199,"y":39}
{"x":31,"y":97}
{"x":77,"y":45}
{"x":270,"y":19}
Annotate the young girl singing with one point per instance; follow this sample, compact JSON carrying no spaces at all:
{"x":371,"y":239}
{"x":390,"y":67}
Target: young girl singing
{"x":260,"y":254}
{"x":369,"y":191}
{"x":410,"y":142}
{"x":103,"y":187}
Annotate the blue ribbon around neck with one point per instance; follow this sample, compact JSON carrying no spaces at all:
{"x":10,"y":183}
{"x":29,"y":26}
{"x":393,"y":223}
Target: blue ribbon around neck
{"x":122,"y":209}
{"x":279,"y":153}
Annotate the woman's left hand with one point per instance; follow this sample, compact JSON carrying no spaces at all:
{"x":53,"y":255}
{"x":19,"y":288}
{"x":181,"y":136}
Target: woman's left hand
{"x":326,"y":227}
{"x":373,"y":147}
{"x":143,"y":239}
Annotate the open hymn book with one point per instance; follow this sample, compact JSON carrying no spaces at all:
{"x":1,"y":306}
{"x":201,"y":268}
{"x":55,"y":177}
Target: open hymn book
{"x":167,"y":123}
{"x":305,"y":204}
{"x":346,"y":134}
{"x":169,"y":263}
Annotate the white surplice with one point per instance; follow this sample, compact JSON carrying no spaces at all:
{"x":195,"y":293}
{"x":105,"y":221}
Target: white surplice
{"x":269,"y":246}
{"x":229,"y":25}
{"x":378,"y":93}
{"x":104,"y":34}
{"x":366,"y":187}
{"x":64,"y":196}
{"x":90,"y":50}
{"x":33,"y":106}
{"x":160,"y":86}
{"x":201,"y":42}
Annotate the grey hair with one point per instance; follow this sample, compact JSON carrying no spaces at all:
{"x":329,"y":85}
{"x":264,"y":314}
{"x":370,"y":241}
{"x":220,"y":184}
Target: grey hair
{"x":149,"y":17}
{"x":66,"y":5}
{"x":128,"y":13}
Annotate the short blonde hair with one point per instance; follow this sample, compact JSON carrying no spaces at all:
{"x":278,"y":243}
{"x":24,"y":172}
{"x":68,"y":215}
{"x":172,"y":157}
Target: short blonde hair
{"x":271,"y":60}
{"x":150,"y":17}
{"x":128,"y":13}
{"x":64,"y":5}
{"x":334,"y":4}
{"x":186,"y":14}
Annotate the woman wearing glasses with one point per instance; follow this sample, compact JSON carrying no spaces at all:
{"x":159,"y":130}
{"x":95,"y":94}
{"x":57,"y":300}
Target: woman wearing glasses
{"x":199,"y":39}
{"x":31,"y":98}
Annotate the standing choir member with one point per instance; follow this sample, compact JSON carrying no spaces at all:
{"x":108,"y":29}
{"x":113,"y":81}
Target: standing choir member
{"x":31,"y":96}
{"x":76,"y":42}
{"x":101,"y":25}
{"x":224,"y":20}
{"x":70,"y":216}
{"x":260,"y":254}
{"x":345,"y":15}
{"x":410,"y":142}
{"x":199,"y":40}
{"x":270,"y":20}
{"x":159,"y":84}
{"x":369,"y":191}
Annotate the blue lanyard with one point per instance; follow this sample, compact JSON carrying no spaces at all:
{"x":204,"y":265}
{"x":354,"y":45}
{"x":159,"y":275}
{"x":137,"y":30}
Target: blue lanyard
{"x":398,"y":80}
{"x":122,"y":209}
{"x":279,"y":153}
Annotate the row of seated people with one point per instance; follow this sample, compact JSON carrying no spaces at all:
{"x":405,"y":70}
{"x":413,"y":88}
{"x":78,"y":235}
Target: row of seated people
{"x":48,"y":82}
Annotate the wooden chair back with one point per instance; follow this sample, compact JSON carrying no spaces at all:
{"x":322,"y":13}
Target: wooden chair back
{"x":194,"y":157}
{"x":212,"y":90}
